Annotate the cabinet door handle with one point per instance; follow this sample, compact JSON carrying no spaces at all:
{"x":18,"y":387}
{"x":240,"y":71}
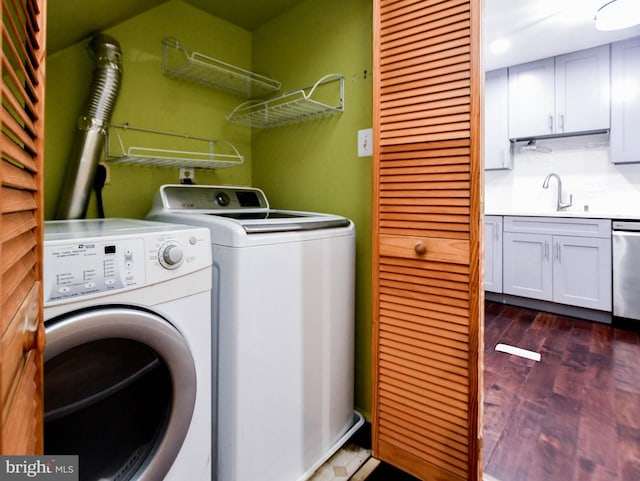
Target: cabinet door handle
{"x":558,"y":252}
{"x":546,"y":250}
{"x":550,"y":123}
{"x":562,"y":122}
{"x":420,"y":248}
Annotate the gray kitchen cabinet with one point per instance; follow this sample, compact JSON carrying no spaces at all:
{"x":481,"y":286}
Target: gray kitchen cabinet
{"x":531,"y":99}
{"x":527,"y":266}
{"x":625,"y":101}
{"x":583,"y":86}
{"x":493,"y":253}
{"x":582,"y":272}
{"x":497,"y":148}
{"x":563,"y":260}
{"x":565,"y":94}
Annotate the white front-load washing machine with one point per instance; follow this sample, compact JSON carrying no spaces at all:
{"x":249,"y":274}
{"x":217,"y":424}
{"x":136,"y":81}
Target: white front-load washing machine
{"x":283,"y":303}
{"x":128,"y":360}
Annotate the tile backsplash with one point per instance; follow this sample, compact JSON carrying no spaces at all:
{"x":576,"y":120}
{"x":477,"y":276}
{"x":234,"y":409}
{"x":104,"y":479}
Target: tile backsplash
{"x":585,"y":169}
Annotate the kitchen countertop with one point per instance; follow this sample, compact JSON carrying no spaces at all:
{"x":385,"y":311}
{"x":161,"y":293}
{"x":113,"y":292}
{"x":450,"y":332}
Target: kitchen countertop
{"x":569,"y":214}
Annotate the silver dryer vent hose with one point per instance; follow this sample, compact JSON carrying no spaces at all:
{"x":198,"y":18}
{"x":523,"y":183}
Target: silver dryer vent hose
{"x":92,"y":128}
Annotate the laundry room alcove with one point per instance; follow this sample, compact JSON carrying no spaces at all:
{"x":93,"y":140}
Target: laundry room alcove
{"x":310,"y":166}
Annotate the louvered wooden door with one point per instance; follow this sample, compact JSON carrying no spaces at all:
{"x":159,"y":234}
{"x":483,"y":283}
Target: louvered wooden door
{"x":21,"y":219}
{"x":427,"y":237}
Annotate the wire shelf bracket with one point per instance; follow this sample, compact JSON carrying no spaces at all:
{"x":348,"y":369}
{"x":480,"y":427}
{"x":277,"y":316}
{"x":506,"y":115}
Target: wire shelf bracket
{"x":199,"y":152}
{"x":292,"y":107}
{"x":182,"y":63}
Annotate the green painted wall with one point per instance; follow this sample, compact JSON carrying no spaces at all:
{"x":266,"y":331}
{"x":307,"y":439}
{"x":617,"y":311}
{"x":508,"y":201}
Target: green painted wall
{"x":314,"y":165}
{"x":308,"y":166}
{"x":148,"y":99}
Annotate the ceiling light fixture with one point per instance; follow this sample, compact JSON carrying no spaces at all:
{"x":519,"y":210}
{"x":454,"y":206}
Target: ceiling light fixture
{"x":618,"y":14}
{"x":500,"y":45}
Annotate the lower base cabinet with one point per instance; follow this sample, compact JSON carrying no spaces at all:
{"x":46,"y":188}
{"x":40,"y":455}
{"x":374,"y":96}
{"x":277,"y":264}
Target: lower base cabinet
{"x":582,"y":272}
{"x":493,"y":253}
{"x":527,"y":267}
{"x":560,"y":260}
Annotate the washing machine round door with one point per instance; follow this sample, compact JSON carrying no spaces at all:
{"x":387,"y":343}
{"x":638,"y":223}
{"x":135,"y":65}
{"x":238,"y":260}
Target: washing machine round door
{"x":120,"y":389}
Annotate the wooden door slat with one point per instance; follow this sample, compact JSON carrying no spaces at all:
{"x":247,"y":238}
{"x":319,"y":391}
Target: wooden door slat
{"x":453,"y":165}
{"x":456,"y":105}
{"x":447,"y":347}
{"x":16,"y":177}
{"x":439,"y":450}
{"x":17,"y":200}
{"x":400,"y":389}
{"x":451,"y":325}
{"x":27,"y":96}
{"x":448,"y":449}
{"x":20,"y":38}
{"x":425,"y":292}
{"x":18,"y":110}
{"x":435,"y":284}
{"x":433,"y":455}
{"x":423,"y":11}
{"x":25,"y":26}
{"x":403,"y":23}
{"x":446,"y":350}
{"x":16,"y":154}
{"x":428,"y":40}
{"x":25,"y":68}
{"x":431,"y":76}
{"x":16,"y":129}
{"x":15,"y":249}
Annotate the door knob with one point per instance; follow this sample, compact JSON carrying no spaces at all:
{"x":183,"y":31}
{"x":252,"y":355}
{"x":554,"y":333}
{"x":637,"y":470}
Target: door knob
{"x":420,"y":248}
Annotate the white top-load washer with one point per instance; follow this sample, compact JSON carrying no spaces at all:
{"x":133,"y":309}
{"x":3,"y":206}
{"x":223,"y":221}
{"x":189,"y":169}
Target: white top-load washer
{"x":128,"y":360}
{"x":283,"y":301}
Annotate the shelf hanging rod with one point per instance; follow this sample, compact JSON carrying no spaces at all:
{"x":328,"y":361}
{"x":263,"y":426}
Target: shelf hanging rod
{"x":126,"y":126}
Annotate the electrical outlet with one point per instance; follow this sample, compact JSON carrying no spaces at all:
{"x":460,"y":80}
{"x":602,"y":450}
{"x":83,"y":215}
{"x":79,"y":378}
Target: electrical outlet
{"x":365,"y":143}
{"x":187,"y":176}
{"x":107,"y":179}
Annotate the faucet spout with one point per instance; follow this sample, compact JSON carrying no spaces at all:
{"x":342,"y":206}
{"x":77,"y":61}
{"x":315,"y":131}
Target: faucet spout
{"x":559,"y":204}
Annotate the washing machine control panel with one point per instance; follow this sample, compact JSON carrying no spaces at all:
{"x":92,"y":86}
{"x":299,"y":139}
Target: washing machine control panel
{"x":83,"y":268}
{"x":91,"y":267}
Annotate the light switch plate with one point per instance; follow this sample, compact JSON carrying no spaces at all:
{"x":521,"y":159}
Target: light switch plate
{"x":365,"y":143}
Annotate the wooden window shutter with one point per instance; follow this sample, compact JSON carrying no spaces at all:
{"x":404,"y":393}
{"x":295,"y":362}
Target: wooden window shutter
{"x":21,"y":222}
{"x":427,"y":332}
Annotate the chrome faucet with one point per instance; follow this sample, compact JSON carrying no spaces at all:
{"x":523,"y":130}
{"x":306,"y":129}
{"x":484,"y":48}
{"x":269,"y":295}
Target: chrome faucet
{"x":560,"y":205}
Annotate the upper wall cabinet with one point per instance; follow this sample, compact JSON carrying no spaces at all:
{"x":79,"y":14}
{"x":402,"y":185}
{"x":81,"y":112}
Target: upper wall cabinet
{"x":625,"y":101}
{"x":531,"y":98}
{"x":583,"y":88}
{"x":497,"y":148}
{"x":562,"y":95}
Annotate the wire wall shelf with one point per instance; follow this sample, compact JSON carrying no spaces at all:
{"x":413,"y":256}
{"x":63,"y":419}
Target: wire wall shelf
{"x":181,"y":63}
{"x":325,"y":97}
{"x":168,"y":149}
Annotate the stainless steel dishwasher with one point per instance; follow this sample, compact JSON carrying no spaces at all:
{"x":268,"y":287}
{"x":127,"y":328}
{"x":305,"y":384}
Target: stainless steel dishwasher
{"x":626,"y":269}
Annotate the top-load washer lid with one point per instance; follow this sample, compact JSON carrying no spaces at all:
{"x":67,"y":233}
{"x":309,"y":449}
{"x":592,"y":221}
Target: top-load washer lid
{"x":79,"y":228}
{"x":248,"y":206}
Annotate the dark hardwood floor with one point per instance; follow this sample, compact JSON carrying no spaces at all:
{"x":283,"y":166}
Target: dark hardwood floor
{"x":573,"y":416}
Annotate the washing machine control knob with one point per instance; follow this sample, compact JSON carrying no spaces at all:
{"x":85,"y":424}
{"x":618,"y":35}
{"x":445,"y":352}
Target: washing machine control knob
{"x":222,"y":199}
{"x":170,"y":255}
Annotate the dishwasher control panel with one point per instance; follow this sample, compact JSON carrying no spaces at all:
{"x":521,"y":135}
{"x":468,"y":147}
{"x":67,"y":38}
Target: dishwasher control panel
{"x":629,"y":225}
